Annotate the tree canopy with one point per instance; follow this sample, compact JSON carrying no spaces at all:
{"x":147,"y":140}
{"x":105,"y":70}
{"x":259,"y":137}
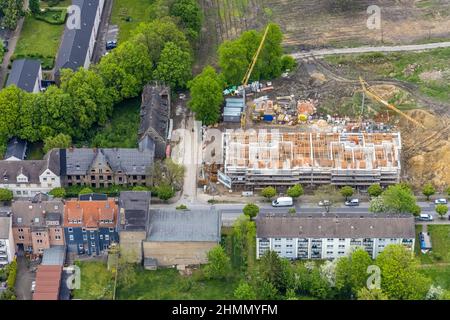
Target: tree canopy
{"x":251,"y":210}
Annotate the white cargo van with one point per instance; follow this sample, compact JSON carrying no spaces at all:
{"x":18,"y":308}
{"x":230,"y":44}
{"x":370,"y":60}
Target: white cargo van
{"x":283,"y":202}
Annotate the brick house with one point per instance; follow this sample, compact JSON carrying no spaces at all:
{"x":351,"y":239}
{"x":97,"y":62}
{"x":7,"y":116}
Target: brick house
{"x":90,"y":225}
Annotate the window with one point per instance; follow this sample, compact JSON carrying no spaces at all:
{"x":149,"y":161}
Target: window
{"x":100,"y":177}
{"x":277,"y":239}
{"x":20,"y":229}
{"x":341,"y":252}
{"x":57,"y":237}
{"x":38,"y":234}
{"x":101,"y":237}
{"x":83,"y":229}
{"x":92,"y":236}
{"x":19,"y":220}
{"x":84,"y":237}
{"x":70,"y":229}
{"x":111,"y":229}
{"x":53,"y":179}
{"x":21,"y":238}
{"x":106,"y":237}
{"x":45,"y":179}
{"x":329,"y":246}
{"x":289,"y":246}
{"x":341,"y":239}
{"x":278,"y":246}
{"x":71,"y":237}
{"x":39,"y":241}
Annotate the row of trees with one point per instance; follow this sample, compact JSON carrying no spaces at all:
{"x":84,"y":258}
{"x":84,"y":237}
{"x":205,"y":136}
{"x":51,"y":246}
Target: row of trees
{"x":159,"y":50}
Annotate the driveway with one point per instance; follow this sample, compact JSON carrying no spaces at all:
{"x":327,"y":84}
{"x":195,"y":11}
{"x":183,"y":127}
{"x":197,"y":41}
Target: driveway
{"x":24,"y":278}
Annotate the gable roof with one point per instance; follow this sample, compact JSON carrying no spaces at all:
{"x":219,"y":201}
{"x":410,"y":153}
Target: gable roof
{"x":75,"y":43}
{"x":16,"y":148}
{"x":27,"y":211}
{"x":129,"y":161}
{"x":24,"y":73}
{"x":134,"y":210}
{"x":175,"y":225}
{"x":270,"y":225}
{"x":90,"y":213}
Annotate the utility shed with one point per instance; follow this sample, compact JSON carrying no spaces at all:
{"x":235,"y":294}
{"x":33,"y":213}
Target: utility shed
{"x":181,"y":237}
{"x":233,"y":109}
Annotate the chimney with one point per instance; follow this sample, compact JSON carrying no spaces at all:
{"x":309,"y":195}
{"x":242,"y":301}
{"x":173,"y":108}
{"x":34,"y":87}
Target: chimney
{"x":122,"y":216}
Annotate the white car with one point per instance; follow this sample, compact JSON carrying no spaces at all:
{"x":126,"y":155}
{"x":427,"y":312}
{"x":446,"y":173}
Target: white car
{"x":425,"y":217}
{"x":440,"y":201}
{"x":324,"y":203}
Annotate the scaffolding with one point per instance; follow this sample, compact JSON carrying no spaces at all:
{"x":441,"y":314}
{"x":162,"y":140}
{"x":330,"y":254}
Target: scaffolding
{"x":258,"y":159}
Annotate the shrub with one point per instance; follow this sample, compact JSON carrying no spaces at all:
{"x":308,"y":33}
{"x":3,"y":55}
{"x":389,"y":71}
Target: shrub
{"x":181,"y":207}
{"x":268,"y":192}
{"x":251,"y":210}
{"x":85,"y":190}
{"x":5,"y":194}
{"x":12,"y":274}
{"x":58,"y":192}
{"x":295,"y":191}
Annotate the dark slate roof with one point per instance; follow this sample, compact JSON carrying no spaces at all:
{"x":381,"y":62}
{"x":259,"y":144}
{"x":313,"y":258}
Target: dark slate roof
{"x":16,"y":148}
{"x":129,"y":161}
{"x":9,"y":170}
{"x":270,"y":225}
{"x":155,"y":111}
{"x":176,"y":225}
{"x":24,"y":73}
{"x":75,"y":43}
{"x":93,"y":197}
{"x":134,"y":210}
{"x":54,"y":216}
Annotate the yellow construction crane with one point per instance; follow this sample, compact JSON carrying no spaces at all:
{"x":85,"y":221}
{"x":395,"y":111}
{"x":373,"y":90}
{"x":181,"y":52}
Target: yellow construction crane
{"x":374,"y":96}
{"x":250,"y":68}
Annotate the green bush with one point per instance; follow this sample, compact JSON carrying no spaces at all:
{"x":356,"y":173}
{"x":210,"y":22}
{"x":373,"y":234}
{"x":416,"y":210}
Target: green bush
{"x":181,"y":207}
{"x":53,"y":16}
{"x":58,"y":192}
{"x":12,"y":274}
{"x":5,"y":194}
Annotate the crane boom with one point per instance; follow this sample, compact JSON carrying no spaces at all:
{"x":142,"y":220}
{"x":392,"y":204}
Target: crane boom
{"x":249,"y":71}
{"x":387,"y":104}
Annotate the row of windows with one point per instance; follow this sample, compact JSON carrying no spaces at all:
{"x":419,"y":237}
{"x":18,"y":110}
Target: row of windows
{"x":84,"y":230}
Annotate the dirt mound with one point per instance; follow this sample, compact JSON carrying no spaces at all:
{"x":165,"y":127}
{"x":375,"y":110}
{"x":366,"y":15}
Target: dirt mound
{"x":435,"y":75}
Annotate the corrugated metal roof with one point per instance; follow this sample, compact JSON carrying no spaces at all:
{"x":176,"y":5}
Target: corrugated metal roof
{"x":48,"y":281}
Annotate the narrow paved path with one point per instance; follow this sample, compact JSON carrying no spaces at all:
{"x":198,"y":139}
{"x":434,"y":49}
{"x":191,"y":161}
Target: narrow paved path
{"x":411,"y":47}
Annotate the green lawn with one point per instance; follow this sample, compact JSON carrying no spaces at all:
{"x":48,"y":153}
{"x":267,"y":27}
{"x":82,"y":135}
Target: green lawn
{"x":121,"y":130}
{"x":137,"y":10}
{"x":168,"y":284}
{"x":440,"y":241}
{"x":429,"y":69}
{"x":439,"y":274}
{"x":97,"y":282}
{"x":39,"y":39}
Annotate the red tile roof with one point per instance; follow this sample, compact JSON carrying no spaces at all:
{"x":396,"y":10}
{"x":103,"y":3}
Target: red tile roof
{"x":48,"y":282}
{"x":90,"y":213}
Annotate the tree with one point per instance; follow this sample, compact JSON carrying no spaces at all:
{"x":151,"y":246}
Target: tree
{"x":233,"y":61}
{"x":375,"y":190}
{"x":60,"y":141}
{"x":271,"y":53}
{"x":327,"y":194}
{"x":5,"y":194}
{"x":275,"y":270}
{"x":12,"y":11}
{"x":377,"y":205}
{"x":373,"y":294}
{"x":35,"y":6}
{"x":346,"y":192}
{"x":10,"y":98}
{"x":165,"y":192}
{"x":400,"y":278}
{"x":58,"y":192}
{"x":85,"y":190}
{"x":167,"y":172}
{"x":351,"y":272}
{"x":268,"y":192}
{"x":219,"y":265}
{"x":399,"y":199}
{"x":441,"y":210}
{"x":428,"y":190}
{"x":241,"y":242}
{"x":288,"y":63}
{"x":174,"y":66}
{"x":251,"y":210}
{"x":244,"y":291}
{"x":295,"y":191}
{"x":206,"y":96}
{"x":190,"y":14}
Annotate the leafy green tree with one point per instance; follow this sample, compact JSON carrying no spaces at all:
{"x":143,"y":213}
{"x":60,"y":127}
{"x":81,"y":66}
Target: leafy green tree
{"x":428,"y":190}
{"x":346,"y":192}
{"x":399,"y":199}
{"x":288,"y":63}
{"x":351,"y":272}
{"x":241,"y":243}
{"x":85,"y":190}
{"x":377,"y":205}
{"x":174,"y":66}
{"x":10,"y":98}
{"x":233,"y":61}
{"x":165,"y":192}
{"x":167,"y":172}
{"x":266,"y":290}
{"x":373,"y":294}
{"x":400,"y":278}
{"x":58,"y":192}
{"x":190,"y":14}
{"x":441,"y":210}
{"x":268,"y":192}
{"x":327,"y":194}
{"x":375,"y":190}
{"x":295,"y":191}
{"x":219,"y":265}
{"x":61,"y":141}
{"x":271,"y":53}
{"x":35,"y":6}
{"x":275,"y":270}
{"x":244,"y":291}
{"x":12,"y":11}
{"x":206,"y":96}
{"x":5,"y":194}
{"x":251,"y":210}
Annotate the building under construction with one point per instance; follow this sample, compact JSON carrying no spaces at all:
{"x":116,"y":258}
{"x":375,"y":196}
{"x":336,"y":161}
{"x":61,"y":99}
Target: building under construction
{"x":254,"y":160}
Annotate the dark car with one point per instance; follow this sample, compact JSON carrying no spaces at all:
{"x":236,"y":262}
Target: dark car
{"x":111,"y":45}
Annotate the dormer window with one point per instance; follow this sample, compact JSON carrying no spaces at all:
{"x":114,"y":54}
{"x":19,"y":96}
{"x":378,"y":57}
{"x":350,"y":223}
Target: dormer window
{"x":36,"y":220}
{"x":19,"y":220}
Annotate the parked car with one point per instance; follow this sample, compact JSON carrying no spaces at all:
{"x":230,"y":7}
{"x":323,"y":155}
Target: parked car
{"x":111,"y":44}
{"x":425,"y":217}
{"x":283,"y":202}
{"x":324,"y":203}
{"x":352,"y":203}
{"x":440,"y":201}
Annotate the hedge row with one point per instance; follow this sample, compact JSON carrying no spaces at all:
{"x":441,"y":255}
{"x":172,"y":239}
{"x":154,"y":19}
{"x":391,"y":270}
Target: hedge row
{"x":55,"y":16}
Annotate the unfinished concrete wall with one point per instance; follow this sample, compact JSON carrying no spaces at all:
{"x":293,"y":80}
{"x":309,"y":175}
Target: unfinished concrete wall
{"x":178,"y":253}
{"x":131,"y":245}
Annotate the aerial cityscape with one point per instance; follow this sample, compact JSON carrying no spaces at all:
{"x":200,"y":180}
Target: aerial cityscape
{"x":234,"y":150}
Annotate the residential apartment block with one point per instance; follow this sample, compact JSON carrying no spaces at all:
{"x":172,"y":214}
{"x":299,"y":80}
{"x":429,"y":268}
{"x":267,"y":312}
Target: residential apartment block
{"x":27,"y":178}
{"x":329,"y":237}
{"x":7,"y":250}
{"x":90,"y":225}
{"x":256,"y":159}
{"x":37,"y":224}
{"x":105,"y":167}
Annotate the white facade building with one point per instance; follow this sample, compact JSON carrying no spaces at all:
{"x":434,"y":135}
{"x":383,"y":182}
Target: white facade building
{"x":7,"y":249}
{"x":331,"y":237}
